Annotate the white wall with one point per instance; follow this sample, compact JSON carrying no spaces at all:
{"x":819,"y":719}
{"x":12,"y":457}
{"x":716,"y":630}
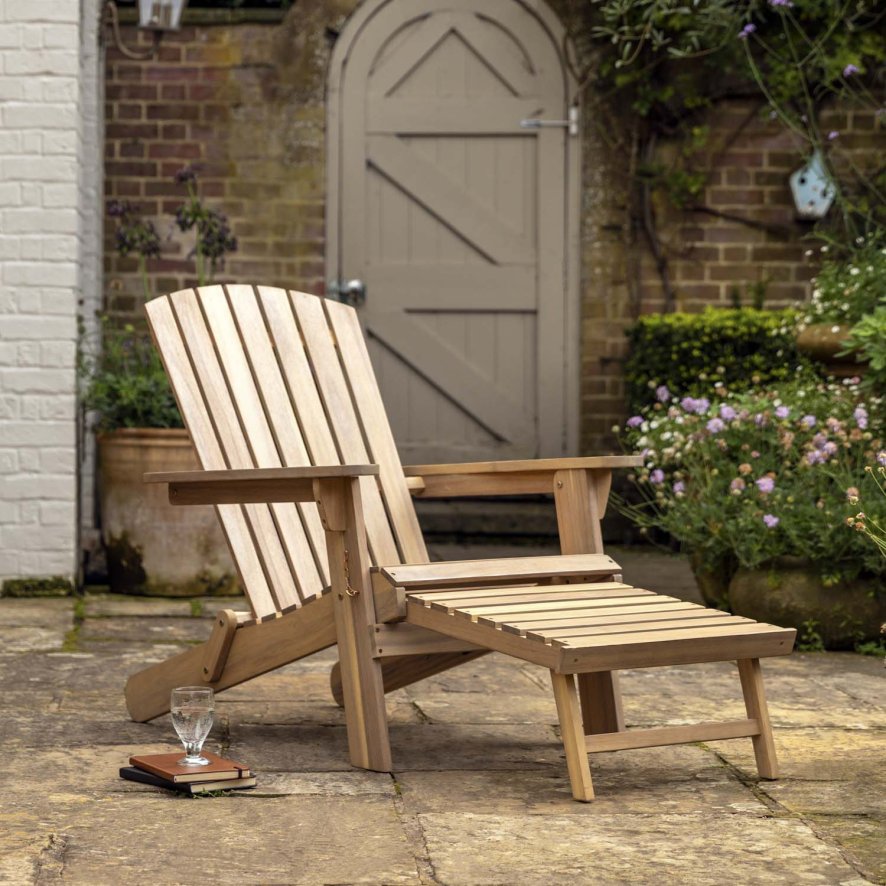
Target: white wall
{"x":49,"y":246}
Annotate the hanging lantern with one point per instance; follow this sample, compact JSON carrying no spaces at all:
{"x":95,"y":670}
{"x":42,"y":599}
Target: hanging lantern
{"x":161,"y":15}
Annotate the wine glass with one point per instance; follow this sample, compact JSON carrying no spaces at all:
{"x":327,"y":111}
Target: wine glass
{"x":192,"y":708}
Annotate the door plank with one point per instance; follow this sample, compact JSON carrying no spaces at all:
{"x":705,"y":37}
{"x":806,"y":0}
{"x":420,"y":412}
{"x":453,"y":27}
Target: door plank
{"x":448,"y":371}
{"x":446,"y":199}
{"x":391,"y":72}
{"x":463,"y":288}
{"x":450,"y":116}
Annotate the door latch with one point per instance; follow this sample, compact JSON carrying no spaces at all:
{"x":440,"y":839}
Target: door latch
{"x":349,"y":292}
{"x":537,"y":123}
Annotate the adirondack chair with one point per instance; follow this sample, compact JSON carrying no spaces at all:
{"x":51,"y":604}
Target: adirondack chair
{"x":281,"y":403}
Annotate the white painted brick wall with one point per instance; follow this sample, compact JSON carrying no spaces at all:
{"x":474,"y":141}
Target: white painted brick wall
{"x":50,"y":198}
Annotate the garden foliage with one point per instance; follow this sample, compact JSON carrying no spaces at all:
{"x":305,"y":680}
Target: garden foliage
{"x":123,"y":380}
{"x":745,"y":478}
{"x":689,"y":353}
{"x":128,"y":387}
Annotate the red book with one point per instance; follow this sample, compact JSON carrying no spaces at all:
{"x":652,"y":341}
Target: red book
{"x":168,"y":767}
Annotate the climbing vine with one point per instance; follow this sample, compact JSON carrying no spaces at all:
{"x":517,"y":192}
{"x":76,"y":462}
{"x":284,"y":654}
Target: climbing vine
{"x":669,"y":61}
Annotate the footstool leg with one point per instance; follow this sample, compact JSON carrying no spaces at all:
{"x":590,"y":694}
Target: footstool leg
{"x":573,"y":736}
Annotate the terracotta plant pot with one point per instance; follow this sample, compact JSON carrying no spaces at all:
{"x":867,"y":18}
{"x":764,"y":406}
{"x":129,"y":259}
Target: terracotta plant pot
{"x":822,"y":343}
{"x":791,"y":594}
{"x":152,"y":547}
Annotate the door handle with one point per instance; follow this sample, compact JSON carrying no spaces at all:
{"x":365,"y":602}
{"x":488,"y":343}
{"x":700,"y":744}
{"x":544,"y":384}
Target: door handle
{"x":349,"y":292}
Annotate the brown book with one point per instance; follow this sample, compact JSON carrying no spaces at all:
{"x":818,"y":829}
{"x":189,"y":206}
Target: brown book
{"x":168,"y":767}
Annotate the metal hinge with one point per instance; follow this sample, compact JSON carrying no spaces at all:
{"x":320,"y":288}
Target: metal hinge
{"x":571,"y":123}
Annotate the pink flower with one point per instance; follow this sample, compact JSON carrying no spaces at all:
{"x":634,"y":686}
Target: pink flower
{"x":782,"y":412}
{"x":679,"y":487}
{"x":715,"y":425}
{"x":746,"y":31}
{"x":727,"y":412}
{"x":770,"y":520}
{"x":765,"y":485}
{"x":662,"y":394}
{"x":657,"y":477}
{"x":737,"y":485}
{"x":635,"y":421}
{"x":833,"y":134}
{"x":849,"y":70}
{"x":861,"y":417}
{"x":809,"y":421}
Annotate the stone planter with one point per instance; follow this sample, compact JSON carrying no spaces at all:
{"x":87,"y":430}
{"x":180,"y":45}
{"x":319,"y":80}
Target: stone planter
{"x":820,"y":342}
{"x":152,"y":547}
{"x":791,"y":594}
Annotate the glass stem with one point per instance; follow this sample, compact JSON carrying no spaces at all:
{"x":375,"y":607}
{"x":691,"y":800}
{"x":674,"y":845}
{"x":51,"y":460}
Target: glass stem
{"x":192,"y":748}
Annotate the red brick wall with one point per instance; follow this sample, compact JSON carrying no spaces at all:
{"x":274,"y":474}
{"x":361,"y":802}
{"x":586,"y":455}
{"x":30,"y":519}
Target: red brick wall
{"x":244,"y":104}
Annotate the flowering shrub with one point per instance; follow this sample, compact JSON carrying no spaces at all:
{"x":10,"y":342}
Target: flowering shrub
{"x":121,"y":377}
{"x":689,"y":353}
{"x":745,"y":478}
{"x":846,"y":290}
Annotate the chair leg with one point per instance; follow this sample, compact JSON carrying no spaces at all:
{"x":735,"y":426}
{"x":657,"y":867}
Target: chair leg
{"x":600,"y":697}
{"x":573,"y":736}
{"x":755,"y":703}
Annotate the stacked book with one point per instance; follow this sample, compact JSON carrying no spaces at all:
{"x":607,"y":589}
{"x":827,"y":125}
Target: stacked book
{"x":164,"y":771}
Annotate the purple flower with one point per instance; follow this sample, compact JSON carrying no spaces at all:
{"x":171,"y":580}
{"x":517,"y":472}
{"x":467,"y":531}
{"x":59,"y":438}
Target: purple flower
{"x":679,"y":487}
{"x":702,"y":405}
{"x":830,"y":448}
{"x":657,"y":477}
{"x":782,"y":412}
{"x":727,"y":413}
{"x":746,"y":31}
{"x":881,"y":458}
{"x":770,"y":520}
{"x":786,"y":3}
{"x":737,"y":485}
{"x":689,"y":404}
{"x":809,"y":421}
{"x":833,"y":134}
{"x":715,"y":425}
{"x":635,"y":421}
{"x":816,"y":457}
{"x":766,"y":484}
{"x":861,"y":417}
{"x":849,"y":70}
{"x":759,"y":419}
{"x":662,"y":394}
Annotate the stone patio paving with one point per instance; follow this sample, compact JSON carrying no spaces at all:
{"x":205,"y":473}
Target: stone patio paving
{"x":479,"y":795}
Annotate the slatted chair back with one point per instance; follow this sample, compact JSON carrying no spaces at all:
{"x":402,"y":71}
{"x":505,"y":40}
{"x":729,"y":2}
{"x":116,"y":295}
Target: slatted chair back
{"x":268,"y":378}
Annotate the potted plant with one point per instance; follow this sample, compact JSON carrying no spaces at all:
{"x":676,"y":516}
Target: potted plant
{"x":757,"y":487}
{"x":844,"y":293}
{"x":150,"y":546}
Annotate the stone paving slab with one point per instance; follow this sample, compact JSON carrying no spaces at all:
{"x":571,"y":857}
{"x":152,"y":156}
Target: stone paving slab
{"x":700,"y":849}
{"x":479,"y":793}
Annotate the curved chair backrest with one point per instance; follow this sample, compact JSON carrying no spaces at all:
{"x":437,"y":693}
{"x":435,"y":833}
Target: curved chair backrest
{"x":266,"y":377}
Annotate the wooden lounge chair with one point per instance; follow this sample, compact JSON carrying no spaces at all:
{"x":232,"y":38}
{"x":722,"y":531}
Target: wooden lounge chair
{"x":284,"y":412}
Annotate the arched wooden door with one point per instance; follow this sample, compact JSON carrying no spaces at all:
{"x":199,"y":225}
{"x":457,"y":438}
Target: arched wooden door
{"x":461,"y":219}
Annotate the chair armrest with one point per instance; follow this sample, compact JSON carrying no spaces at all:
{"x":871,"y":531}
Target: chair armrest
{"x":507,"y":477}
{"x":252,"y":485}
